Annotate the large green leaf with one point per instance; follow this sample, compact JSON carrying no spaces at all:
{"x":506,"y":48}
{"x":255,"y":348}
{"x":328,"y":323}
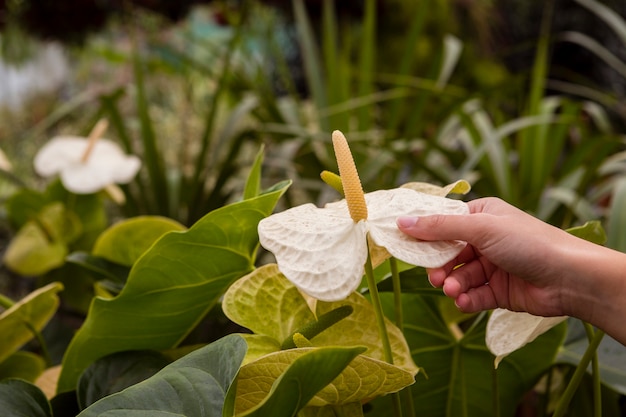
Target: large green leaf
{"x":116,"y":372}
{"x":19,"y":322}
{"x":21,"y":398}
{"x":297,"y":377}
{"x":126,"y":241}
{"x":171,"y":287}
{"x":269,"y":305}
{"x":193,"y":386}
{"x":459,"y":366}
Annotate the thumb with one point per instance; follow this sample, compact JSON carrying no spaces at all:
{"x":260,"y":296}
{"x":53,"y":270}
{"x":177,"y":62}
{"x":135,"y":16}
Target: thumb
{"x":441,"y":226}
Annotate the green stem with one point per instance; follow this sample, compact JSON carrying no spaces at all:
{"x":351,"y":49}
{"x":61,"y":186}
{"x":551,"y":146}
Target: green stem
{"x":397,"y":302}
{"x":382,"y":327}
{"x":6,"y":302}
{"x":595,"y":373}
{"x":561,"y":407}
{"x":397,"y":293}
{"x":378,"y":309}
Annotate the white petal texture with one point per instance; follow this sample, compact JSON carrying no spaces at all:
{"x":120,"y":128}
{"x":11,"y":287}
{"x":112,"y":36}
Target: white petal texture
{"x":323,"y":252}
{"x":508,"y":331}
{"x":107,"y":164}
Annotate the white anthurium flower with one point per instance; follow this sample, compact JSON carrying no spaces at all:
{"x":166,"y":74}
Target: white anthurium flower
{"x":508,"y":331}
{"x":86,"y":165}
{"x":323,"y":250}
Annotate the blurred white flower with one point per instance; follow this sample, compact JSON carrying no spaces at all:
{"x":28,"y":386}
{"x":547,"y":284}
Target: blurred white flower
{"x":86,"y":165}
{"x":323,"y":250}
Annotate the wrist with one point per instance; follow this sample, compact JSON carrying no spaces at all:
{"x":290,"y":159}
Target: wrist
{"x":594,"y":286}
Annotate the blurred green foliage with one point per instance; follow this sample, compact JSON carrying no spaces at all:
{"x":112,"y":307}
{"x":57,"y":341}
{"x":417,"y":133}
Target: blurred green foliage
{"x":427,"y":91}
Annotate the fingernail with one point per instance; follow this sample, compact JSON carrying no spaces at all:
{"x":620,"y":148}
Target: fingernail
{"x":430,"y":282}
{"x":406,"y":221}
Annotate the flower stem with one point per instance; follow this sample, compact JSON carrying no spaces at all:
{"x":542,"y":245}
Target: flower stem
{"x":397,"y":293}
{"x":567,"y":396}
{"x":397,"y":302}
{"x":378,"y":309}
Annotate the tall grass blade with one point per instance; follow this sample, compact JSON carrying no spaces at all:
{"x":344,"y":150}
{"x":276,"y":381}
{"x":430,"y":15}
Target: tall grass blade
{"x":196,"y":199}
{"x":311,"y":58}
{"x":610,"y":17}
{"x":407,"y":58}
{"x":152,"y":158}
{"x":532,"y":142}
{"x":365,"y":73}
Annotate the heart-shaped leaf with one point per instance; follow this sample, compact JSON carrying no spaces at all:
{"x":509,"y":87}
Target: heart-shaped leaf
{"x":30,"y":314}
{"x":115,"y":372}
{"x":171,"y":287}
{"x":125,"y":241}
{"x":459,"y":365}
{"x":21,"y":398}
{"x":294,"y":378}
{"x":193,"y":386}
{"x":286,"y":311}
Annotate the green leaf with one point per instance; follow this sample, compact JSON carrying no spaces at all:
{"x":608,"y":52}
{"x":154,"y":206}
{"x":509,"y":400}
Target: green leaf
{"x":293,"y":378}
{"x":23,"y":365}
{"x":125,"y":241}
{"x":105,"y":269}
{"x":23,"y":205}
{"x":611,"y":355}
{"x":41,"y":244}
{"x":21,"y":398}
{"x":115,"y":372}
{"x":32,"y":313}
{"x":171,"y":286}
{"x":459,"y":365}
{"x":591,"y":231}
{"x":268,"y":304}
{"x":617,"y":218}
{"x":266,"y":290}
{"x":253,"y":182}
{"x":194,"y":385}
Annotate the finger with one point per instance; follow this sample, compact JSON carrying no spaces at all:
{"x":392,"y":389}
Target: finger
{"x":476,"y":299}
{"x":436,"y":276}
{"x":462,"y":279}
{"x":468,"y":227}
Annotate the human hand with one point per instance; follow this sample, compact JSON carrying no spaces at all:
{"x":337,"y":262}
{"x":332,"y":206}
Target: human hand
{"x":512,"y":259}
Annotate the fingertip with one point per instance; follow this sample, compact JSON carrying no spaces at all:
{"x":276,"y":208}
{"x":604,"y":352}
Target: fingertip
{"x":451,"y":288}
{"x":436,"y":277}
{"x":406,"y":222}
{"x":464,"y":303}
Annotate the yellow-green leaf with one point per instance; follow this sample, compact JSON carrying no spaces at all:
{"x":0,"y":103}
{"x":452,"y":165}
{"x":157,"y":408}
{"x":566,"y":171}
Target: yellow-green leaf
{"x":30,"y":314}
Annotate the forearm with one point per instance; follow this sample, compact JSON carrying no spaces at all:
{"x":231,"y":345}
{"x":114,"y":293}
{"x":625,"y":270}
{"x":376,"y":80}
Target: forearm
{"x":597,"y":293}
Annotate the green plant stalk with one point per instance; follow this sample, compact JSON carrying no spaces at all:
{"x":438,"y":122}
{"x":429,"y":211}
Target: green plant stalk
{"x":312,"y":329}
{"x":380,"y":320}
{"x":595,"y":372}
{"x":6,"y":302}
{"x":378,"y":309}
{"x":399,"y":315}
{"x":567,"y":396}
{"x":397,"y":293}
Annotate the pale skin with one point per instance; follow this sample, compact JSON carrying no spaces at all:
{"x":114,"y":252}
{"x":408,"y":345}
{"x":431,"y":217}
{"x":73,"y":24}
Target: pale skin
{"x":518,"y":262}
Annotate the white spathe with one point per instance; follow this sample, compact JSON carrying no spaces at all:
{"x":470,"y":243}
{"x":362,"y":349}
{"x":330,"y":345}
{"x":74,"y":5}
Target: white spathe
{"x":323,"y":251}
{"x":107,"y":164}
